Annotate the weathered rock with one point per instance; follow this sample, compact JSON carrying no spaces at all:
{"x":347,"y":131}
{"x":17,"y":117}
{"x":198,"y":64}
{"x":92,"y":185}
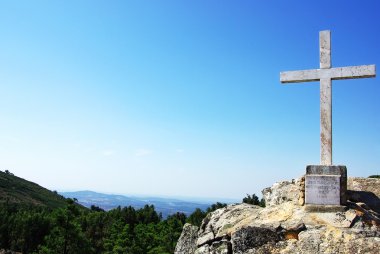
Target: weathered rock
{"x":187,"y":242}
{"x":251,"y":237}
{"x":221,"y":247}
{"x":285,"y":226}
{"x":364,"y":190}
{"x":205,"y":249}
{"x":364,"y":184}
{"x":222,"y":222}
{"x":285,"y":191}
{"x":218,"y":247}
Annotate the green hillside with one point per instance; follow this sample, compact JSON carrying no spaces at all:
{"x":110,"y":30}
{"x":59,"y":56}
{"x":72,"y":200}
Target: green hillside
{"x":16,"y":190}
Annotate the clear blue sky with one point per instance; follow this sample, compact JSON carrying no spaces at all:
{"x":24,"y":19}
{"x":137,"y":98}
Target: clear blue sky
{"x":181,"y":98}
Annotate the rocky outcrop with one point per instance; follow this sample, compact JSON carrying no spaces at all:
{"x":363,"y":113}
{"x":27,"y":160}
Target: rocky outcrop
{"x":364,"y":191}
{"x":285,"y":191}
{"x":364,"y":184}
{"x":187,"y":242}
{"x":284,"y":226}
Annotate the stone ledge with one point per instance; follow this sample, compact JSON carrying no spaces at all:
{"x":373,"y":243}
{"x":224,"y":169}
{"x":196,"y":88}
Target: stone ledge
{"x":325,"y":208}
{"x":326,"y":170}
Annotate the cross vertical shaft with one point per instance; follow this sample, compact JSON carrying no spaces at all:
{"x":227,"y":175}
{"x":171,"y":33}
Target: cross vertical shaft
{"x":325,"y":98}
{"x":326,"y":122}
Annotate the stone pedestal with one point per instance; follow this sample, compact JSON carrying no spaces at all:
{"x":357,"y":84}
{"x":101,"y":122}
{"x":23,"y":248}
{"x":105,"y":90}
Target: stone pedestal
{"x":325,"y":185}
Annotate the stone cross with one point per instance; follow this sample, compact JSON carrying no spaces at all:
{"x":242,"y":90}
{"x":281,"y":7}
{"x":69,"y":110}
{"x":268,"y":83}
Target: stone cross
{"x":325,"y":75}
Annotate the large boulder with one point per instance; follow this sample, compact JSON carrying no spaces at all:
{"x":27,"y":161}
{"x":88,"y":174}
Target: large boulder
{"x":187,"y":242}
{"x":284,"y":226}
{"x":364,"y":184}
{"x":364,"y":191}
{"x":285,"y":191}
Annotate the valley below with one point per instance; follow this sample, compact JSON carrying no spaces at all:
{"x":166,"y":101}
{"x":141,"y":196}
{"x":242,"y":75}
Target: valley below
{"x":165,"y":206}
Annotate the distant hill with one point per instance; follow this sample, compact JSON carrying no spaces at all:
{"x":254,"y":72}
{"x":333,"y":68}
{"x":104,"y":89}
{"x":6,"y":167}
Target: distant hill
{"x":16,"y":190}
{"x":166,"y":206}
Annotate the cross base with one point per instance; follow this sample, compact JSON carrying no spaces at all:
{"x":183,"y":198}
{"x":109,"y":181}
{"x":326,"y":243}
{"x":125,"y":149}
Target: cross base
{"x":325,"y":185}
{"x":325,"y":208}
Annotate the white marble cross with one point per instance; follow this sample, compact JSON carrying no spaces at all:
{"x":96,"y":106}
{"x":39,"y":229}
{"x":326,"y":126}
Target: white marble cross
{"x":325,"y":74}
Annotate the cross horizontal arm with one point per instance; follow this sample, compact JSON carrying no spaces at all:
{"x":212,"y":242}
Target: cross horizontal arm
{"x":299,"y":76}
{"x":351,"y":72}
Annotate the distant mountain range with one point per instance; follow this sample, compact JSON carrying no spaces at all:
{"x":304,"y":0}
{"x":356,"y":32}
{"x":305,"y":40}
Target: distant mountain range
{"x":19,"y":191}
{"x":166,"y":206}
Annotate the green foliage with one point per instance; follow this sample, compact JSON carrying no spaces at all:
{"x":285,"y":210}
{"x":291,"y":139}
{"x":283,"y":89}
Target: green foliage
{"x":148,"y":215}
{"x":22,"y":228}
{"x":72,"y":229}
{"x":196,"y":217}
{"x":8,"y":172}
{"x":262,"y":202}
{"x":254,"y":200}
{"x":35,"y":220}
{"x":96,"y":208}
{"x":215,"y":206}
{"x":66,"y":235}
{"x":374,"y":176}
